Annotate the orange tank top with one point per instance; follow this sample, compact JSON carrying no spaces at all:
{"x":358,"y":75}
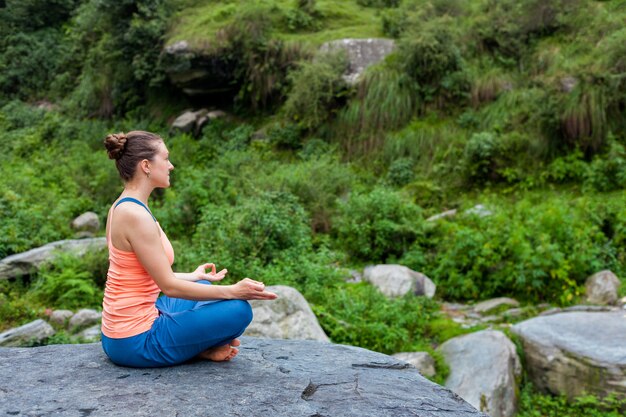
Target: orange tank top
{"x":128,"y":308}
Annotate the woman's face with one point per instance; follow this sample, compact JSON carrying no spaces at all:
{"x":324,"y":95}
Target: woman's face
{"x":160,"y":167}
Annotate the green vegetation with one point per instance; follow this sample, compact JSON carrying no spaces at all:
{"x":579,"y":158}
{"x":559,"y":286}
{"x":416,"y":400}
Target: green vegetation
{"x":515,"y":106}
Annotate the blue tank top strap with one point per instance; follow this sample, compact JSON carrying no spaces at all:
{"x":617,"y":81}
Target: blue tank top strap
{"x":134,"y":200}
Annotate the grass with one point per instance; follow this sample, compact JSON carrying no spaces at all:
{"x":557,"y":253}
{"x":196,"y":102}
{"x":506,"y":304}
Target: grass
{"x":199,"y":21}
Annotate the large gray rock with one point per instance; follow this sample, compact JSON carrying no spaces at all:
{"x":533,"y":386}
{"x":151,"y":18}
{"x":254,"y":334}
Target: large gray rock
{"x":288,"y":317}
{"x":268,"y":378}
{"x":27,"y":262}
{"x":602,"y":288}
{"x":361,"y":54}
{"x":197,"y":73}
{"x":84,"y":317}
{"x":576,"y":352}
{"x":90,"y":334}
{"x":87,"y":222}
{"x":61,"y":317}
{"x":424,"y":363}
{"x":494,"y":304}
{"x":35,"y":331}
{"x":397,"y":280}
{"x":484,"y":369}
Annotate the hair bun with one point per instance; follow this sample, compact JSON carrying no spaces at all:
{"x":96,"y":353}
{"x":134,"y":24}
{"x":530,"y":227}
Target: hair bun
{"x":115,"y":144}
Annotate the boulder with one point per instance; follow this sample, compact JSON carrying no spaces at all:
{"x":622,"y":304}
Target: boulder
{"x":268,"y":378}
{"x":191,"y":121}
{"x":197,"y":73}
{"x":87,"y":222}
{"x":479,"y":210}
{"x":397,"y":280}
{"x":602,"y":288}
{"x":494,"y":304}
{"x":484,"y":370}
{"x":361,"y":53}
{"x":448,"y":213}
{"x":83,"y":318}
{"x":568,"y":84}
{"x":26,"y":262}
{"x":424,"y":363}
{"x":576,"y":352}
{"x":33,"y":332}
{"x":61,"y":317}
{"x":288,"y":317}
{"x":90,"y":334}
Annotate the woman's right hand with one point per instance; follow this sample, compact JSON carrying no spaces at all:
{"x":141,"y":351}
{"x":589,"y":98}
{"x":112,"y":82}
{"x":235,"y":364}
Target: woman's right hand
{"x":249,"y":289}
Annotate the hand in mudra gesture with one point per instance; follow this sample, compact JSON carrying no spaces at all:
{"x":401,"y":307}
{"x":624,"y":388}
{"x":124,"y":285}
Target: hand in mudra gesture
{"x":249,"y":289}
{"x":212,"y":276}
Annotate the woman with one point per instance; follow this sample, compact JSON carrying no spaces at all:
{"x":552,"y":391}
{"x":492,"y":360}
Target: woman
{"x":193,"y":318}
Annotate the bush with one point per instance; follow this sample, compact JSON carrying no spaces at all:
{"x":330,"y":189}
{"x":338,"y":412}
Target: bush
{"x":65,"y":283}
{"x":432,"y":59}
{"x":317,"y":183}
{"x":30,"y":62}
{"x":270,"y":227}
{"x":607,"y":172}
{"x":506,"y":28}
{"x":316,"y":91}
{"x":401,"y":171}
{"x":532,"y":251}
{"x":377,"y":226}
{"x":359,"y":315}
{"x":535,"y":404}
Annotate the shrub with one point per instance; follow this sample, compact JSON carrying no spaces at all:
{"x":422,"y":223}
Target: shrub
{"x":507,"y":27}
{"x":534,"y":252}
{"x":359,"y":315}
{"x":607,"y":172}
{"x":30,"y":62}
{"x":533,"y":404}
{"x":316,"y":91}
{"x":260,"y":230}
{"x":432,"y":59}
{"x":401,"y":171}
{"x":317,"y":183}
{"x":64,"y":283}
{"x":378,"y":225}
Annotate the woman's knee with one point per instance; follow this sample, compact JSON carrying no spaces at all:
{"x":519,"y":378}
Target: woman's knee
{"x":242,"y":311}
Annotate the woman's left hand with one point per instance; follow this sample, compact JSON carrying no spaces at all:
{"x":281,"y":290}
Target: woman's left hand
{"x":212,"y":276}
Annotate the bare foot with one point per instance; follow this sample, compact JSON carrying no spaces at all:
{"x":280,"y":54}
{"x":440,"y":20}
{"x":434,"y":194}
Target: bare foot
{"x":221,"y":353}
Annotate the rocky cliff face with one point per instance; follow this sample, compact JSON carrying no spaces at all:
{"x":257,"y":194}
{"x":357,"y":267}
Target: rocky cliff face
{"x":268,"y":378}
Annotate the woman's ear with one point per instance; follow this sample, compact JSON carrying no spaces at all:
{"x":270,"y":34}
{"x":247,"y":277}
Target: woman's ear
{"x":145,"y":166}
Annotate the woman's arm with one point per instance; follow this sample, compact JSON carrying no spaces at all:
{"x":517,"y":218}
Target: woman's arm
{"x":143,"y":235}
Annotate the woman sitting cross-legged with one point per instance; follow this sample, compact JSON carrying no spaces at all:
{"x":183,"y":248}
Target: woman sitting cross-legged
{"x":193,"y":318}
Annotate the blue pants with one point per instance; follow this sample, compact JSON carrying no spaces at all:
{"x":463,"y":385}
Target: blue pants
{"x":183,"y":329}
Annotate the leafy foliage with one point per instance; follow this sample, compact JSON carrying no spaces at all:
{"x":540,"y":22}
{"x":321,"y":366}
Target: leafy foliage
{"x":378,"y":225}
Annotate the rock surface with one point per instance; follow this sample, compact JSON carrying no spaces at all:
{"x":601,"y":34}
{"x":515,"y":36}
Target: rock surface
{"x":288,"y":317}
{"x":84,"y":317}
{"x":61,"y":317}
{"x":196,"y":73}
{"x":570,"y":353}
{"x":422,"y":361}
{"x":484,"y":368}
{"x":268,"y":378}
{"x":494,"y":304}
{"x":24,"y":263}
{"x":87,"y":222}
{"x":35,"y":331}
{"x":361,"y":54}
{"x":602,"y":288}
{"x":397,"y":280}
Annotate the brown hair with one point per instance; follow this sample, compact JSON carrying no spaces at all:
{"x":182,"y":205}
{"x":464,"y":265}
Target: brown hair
{"x":128,"y":149}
